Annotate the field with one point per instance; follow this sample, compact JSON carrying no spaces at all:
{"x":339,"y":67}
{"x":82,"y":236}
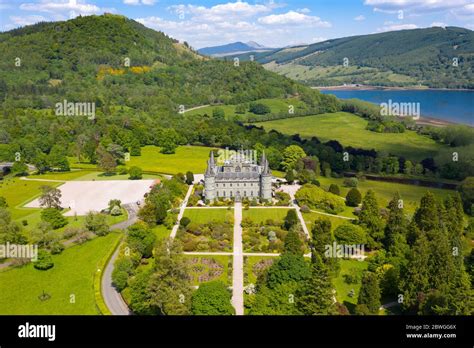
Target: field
{"x":350,"y":130}
{"x":203,"y":215}
{"x":353,"y":268}
{"x":384,"y":191}
{"x":276,"y":105}
{"x":261,"y":215}
{"x":72,"y":274}
{"x":309,"y":219}
{"x":337,"y":74}
{"x":192,"y":158}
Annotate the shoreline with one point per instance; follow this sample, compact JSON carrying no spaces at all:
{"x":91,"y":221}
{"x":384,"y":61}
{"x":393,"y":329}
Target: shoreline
{"x":381,"y":88}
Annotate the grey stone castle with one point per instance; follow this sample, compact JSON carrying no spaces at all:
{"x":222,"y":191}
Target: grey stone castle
{"x":238,"y":178}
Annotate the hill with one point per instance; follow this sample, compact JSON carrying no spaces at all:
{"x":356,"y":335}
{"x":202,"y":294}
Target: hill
{"x":111,"y":59}
{"x":398,"y":58}
{"x":234,"y":48}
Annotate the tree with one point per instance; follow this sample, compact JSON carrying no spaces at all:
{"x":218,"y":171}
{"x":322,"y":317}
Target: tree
{"x":212,"y":298}
{"x":189,"y":178}
{"x":135,"y":173}
{"x":370,"y":218}
{"x":114,"y":203}
{"x":353,"y":197}
{"x":259,"y":108}
{"x":350,"y":234}
{"x":315,"y":296}
{"x":288,"y":268}
{"x":50,"y":197}
{"x":97,"y":224}
{"x":396,"y":227}
{"x":290,"y":176}
{"x":427,"y":217}
{"x":54,"y":218}
{"x":333,"y":188}
{"x":291,"y":219}
{"x":19,"y":169}
{"x":321,"y":235}
{"x":169,"y":285}
{"x":369,"y":293}
{"x":3,"y":202}
{"x":57,"y":158}
{"x":293,"y":244}
{"x":467,"y":194}
{"x":185,"y":221}
{"x":141,"y":239}
{"x":291,"y":155}
{"x":10,"y":231}
{"x":408,"y":169}
{"x":107,"y":162}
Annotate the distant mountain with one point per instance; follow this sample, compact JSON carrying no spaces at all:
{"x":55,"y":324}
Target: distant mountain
{"x":234,"y":48}
{"x":434,"y":57}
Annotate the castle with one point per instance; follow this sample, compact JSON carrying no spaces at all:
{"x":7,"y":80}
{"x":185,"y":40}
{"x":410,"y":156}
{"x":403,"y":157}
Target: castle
{"x":238,"y":178}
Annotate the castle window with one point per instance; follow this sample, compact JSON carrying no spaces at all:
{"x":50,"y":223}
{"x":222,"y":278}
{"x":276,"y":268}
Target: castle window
{"x":251,"y":193}
{"x":230,"y":185}
{"x":223,"y":194}
{"x":245,"y":184}
{"x":217,"y":193}
{"x":223,"y":185}
{"x":231,"y":193}
{"x":245,"y":193}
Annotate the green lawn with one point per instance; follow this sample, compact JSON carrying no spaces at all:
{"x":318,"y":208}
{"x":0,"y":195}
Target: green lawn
{"x":263,"y":214}
{"x":65,"y":176}
{"x":192,"y":158}
{"x":309,"y":219}
{"x":161,"y":232}
{"x":203,"y":215}
{"x":97,"y":176}
{"x":350,"y":130}
{"x":354,"y":268}
{"x":207,"y":273}
{"x":72,"y":274}
{"x":19,"y":192}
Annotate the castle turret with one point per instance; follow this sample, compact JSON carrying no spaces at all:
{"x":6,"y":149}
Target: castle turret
{"x":210,"y":180}
{"x":266,"y":179}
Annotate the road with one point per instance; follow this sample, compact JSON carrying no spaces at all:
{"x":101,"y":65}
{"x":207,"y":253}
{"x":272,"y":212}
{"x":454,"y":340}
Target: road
{"x":238,"y":264}
{"x":181,"y":211}
{"x":112,"y":297}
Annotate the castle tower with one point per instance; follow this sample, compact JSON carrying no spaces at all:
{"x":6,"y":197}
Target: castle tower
{"x":210,"y":180}
{"x":266,"y":179}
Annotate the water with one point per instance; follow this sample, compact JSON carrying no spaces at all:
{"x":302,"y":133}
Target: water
{"x":448,"y":105}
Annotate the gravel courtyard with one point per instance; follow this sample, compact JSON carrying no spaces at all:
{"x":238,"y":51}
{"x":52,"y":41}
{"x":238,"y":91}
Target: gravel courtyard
{"x":84,"y":196}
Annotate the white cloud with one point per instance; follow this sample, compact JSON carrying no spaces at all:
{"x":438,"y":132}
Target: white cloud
{"x":26,"y":20}
{"x":393,"y":27}
{"x":293,"y":17}
{"x":439,"y":24}
{"x":303,"y":10}
{"x":77,"y":6}
{"x":359,"y":18}
{"x":139,"y":2}
{"x":318,"y":39}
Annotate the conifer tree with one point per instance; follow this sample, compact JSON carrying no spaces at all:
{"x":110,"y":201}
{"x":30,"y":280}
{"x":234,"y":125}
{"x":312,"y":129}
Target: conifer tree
{"x":369,"y":293}
{"x":370,"y":218}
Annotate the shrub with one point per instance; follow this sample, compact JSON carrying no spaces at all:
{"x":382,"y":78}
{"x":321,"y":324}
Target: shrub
{"x":189,"y":178}
{"x":141,"y":239}
{"x":97,"y":224}
{"x":119,"y":279}
{"x":116,"y":211}
{"x":53,"y":217}
{"x":135,"y":173}
{"x":122,"y":170}
{"x":305,"y":209}
{"x":212,"y":298}
{"x":45,"y":261}
{"x":334,"y":189}
{"x":3,"y":202}
{"x":353,"y":197}
{"x":315,"y":197}
{"x":349,"y":234}
{"x":184,"y":221}
{"x":56,"y":248}
{"x":351,"y":182}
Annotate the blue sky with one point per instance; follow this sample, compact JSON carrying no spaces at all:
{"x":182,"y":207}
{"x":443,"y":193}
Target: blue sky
{"x":273,"y":23}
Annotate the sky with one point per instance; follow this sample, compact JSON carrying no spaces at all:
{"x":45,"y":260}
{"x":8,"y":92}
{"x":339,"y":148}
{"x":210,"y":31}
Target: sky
{"x":273,"y":23}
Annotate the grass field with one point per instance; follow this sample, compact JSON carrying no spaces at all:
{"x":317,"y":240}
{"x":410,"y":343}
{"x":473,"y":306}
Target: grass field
{"x":203,"y":215}
{"x":384,"y":191}
{"x":192,"y":158}
{"x":161,"y":232}
{"x":354,"y":268}
{"x":339,"y":74}
{"x":72,"y":274}
{"x":350,"y":130}
{"x":261,"y":215}
{"x":203,"y":269}
{"x":276,"y":105}
{"x":309,"y":219}
{"x":19,"y":192}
